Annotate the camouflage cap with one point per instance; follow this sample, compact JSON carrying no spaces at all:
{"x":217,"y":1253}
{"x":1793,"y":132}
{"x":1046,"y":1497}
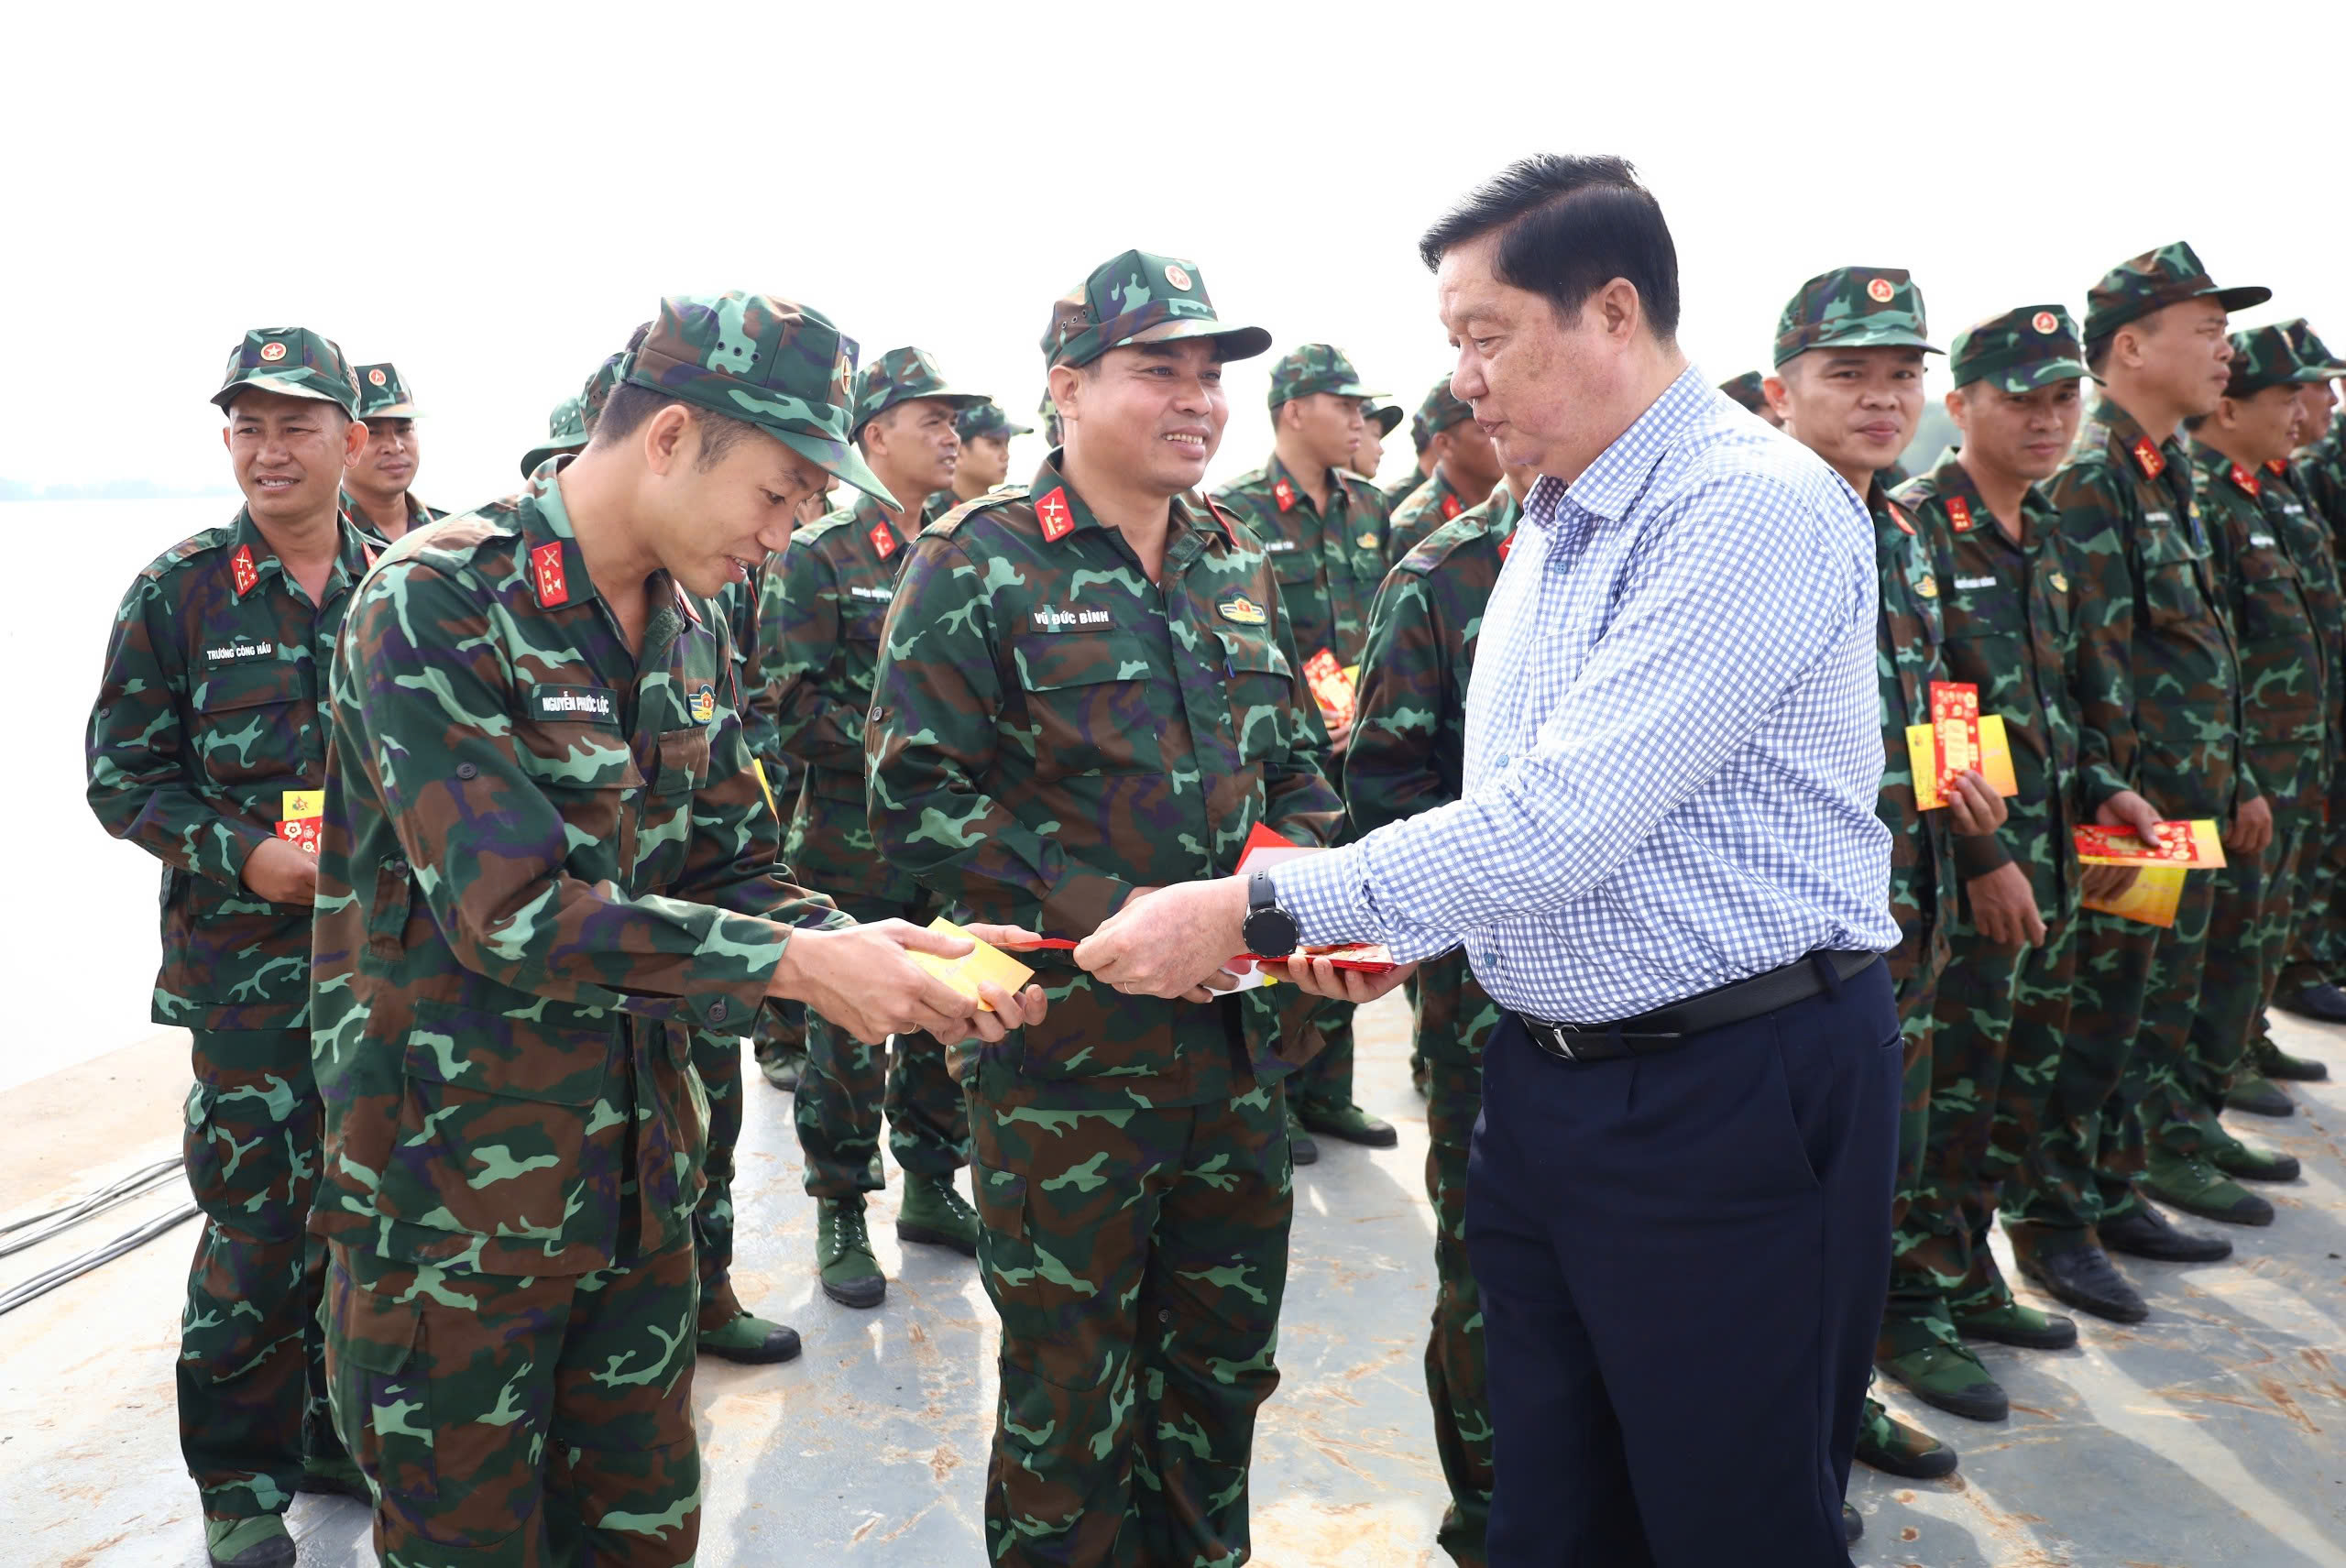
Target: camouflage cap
{"x":573,"y":420}
{"x":2263,"y":357}
{"x":904,"y":375}
{"x":292,"y":360}
{"x":769,"y":362}
{"x":2311,"y":350}
{"x":1140,"y":298}
{"x":1746,"y":391}
{"x":1437,"y":413}
{"x":381,"y":393}
{"x":1387,"y":416}
{"x":987,"y":419}
{"x":1315,"y":368}
{"x":1853,"y":307}
{"x":2019,"y":351}
{"x":2152,"y":282}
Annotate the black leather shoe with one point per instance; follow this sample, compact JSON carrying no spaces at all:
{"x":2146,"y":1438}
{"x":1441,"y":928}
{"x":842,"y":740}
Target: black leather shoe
{"x":2084,"y":1278}
{"x":2146,"y":1233}
{"x":1853,"y":1526}
{"x":2323,"y":1002}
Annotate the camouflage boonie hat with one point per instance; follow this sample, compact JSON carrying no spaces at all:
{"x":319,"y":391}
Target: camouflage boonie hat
{"x":1437,"y":413}
{"x":904,"y":375}
{"x":1315,"y":368}
{"x":769,"y":362}
{"x":1387,"y":417}
{"x":2019,"y":351}
{"x":1140,"y":298}
{"x":572,"y":423}
{"x":1853,"y":307}
{"x":381,"y":393}
{"x":987,"y":419}
{"x":1745,"y":390}
{"x":292,"y":360}
{"x":2262,"y":357}
{"x":2311,"y":350}
{"x":2154,"y":280}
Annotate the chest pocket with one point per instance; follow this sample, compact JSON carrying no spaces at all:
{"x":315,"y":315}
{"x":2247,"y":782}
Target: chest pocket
{"x":1263,"y":695}
{"x":2273,"y":607}
{"x":586,"y":772}
{"x":684,"y":761}
{"x":861,"y":617}
{"x":1091,"y":699}
{"x":2172,"y":597}
{"x":254,"y":723}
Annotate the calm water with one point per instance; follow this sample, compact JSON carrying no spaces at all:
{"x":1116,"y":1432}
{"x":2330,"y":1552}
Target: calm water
{"x":78,"y":942}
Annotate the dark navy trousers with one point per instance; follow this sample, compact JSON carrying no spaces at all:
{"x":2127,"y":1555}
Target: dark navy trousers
{"x":1683,"y":1258}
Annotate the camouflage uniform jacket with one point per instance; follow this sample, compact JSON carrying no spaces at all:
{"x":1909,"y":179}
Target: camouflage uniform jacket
{"x":2320,"y":471}
{"x":2158,"y":679}
{"x":418,"y":514}
{"x":1908,"y":637}
{"x":740,"y":604}
{"x":2263,"y":594}
{"x":2316,"y":551}
{"x":1050,"y":730}
{"x":821,"y":614}
{"x":1402,"y":489}
{"x":1429,"y":506}
{"x":1329,"y":568}
{"x":208,"y":713}
{"x":541,"y":856}
{"x":2011,"y":630}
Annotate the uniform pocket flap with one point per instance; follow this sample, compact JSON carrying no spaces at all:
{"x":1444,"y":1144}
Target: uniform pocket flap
{"x":379,"y":1335}
{"x":684,"y":761}
{"x":1053,"y":662}
{"x":1258,"y":654}
{"x":521,"y":1058}
{"x":576,"y":755}
{"x":258,"y":684}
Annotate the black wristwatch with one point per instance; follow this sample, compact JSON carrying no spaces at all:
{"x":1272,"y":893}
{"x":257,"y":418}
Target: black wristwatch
{"x":1270,"y":931}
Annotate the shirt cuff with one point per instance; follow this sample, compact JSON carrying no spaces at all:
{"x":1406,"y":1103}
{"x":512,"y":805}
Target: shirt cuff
{"x":1326,"y":893}
{"x":1977,"y":854}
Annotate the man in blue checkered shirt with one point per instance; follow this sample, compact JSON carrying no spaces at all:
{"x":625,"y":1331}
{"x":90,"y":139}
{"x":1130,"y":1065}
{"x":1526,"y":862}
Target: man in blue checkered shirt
{"x":1668,"y":868}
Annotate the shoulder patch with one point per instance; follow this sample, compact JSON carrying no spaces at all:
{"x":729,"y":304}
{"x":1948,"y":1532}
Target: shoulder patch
{"x":946,"y":526}
{"x":188,"y":549}
{"x":1446,"y":541}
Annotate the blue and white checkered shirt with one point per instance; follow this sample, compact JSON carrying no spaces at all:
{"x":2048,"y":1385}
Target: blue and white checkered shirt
{"x":1674,"y":738}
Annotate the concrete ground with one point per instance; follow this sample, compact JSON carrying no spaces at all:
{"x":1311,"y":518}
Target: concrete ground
{"x":2215,"y":1434}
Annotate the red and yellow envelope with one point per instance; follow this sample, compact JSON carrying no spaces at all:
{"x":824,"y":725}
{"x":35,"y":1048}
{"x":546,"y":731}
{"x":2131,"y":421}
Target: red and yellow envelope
{"x":2188,"y":846}
{"x":300,"y":817}
{"x":2153,"y":898}
{"x":982,"y":961}
{"x":1979,"y":740}
{"x":1331,"y":686}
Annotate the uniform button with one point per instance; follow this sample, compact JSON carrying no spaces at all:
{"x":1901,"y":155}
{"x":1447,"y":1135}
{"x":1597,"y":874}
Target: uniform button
{"x":466,"y":771}
{"x":397,"y":868}
{"x":718,"y":1010}
{"x":1164,"y":1314}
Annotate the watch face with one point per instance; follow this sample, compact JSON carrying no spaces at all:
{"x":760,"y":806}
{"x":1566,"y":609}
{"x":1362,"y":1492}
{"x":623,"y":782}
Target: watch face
{"x":1270,"y":932}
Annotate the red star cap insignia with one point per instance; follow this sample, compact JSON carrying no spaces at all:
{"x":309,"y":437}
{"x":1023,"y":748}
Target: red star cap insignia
{"x":241,"y":567}
{"x":546,"y":574}
{"x":1057,"y":521}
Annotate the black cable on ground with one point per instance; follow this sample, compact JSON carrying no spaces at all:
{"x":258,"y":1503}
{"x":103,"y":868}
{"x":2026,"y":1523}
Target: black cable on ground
{"x":56,"y":1222}
{"x":72,"y":1268}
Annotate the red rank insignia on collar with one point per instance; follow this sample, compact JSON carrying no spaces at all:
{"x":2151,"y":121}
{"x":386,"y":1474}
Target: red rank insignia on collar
{"x":2246,"y":480}
{"x":1958,"y":511}
{"x":1283,"y":493}
{"x":241,"y":567}
{"x":1505,"y":545}
{"x":2148,"y":456}
{"x":684,"y":602}
{"x":546,"y":574}
{"x":1057,"y":521}
{"x":884,"y":541}
{"x":2276,"y":467}
{"x":1899,"y":518}
{"x":1450,"y":507}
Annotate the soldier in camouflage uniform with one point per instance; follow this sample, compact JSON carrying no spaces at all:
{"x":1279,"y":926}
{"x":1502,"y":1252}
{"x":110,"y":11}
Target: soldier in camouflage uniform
{"x":1406,"y":756}
{"x":985,"y":431}
{"x":1377,"y":421}
{"x":2159,"y":693}
{"x":2269,"y":583}
{"x":1325,"y":528}
{"x":2003,"y":1002}
{"x":1420,"y":442}
{"x":1750,"y":390}
{"x":546,"y":866}
{"x":379,"y":484}
{"x":566,"y":433}
{"x":1849,"y":385}
{"x":819,"y":641}
{"x":207,"y":721}
{"x":1465,"y":467}
{"x":1073,"y":707}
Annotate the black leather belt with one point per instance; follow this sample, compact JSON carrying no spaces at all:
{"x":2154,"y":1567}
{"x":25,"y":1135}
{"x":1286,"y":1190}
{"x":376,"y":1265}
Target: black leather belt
{"x":1666,"y":1028}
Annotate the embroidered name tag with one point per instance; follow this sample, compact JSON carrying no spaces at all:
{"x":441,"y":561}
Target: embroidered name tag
{"x":1966,"y":584}
{"x":1048,"y":620}
{"x":883,"y":595}
{"x":2260,"y":540}
{"x":1277,"y":546}
{"x":591,"y":705}
{"x":233,"y":651}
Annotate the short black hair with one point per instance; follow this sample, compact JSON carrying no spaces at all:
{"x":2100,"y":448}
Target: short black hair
{"x":1570,"y":224}
{"x":631,"y":405}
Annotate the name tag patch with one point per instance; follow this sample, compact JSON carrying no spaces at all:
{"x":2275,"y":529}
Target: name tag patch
{"x":592,"y":705}
{"x":883,"y":595}
{"x":1277,"y":546}
{"x":2260,"y":540}
{"x":233,"y":651}
{"x":1047,"y":619}
{"x":1966,"y":584}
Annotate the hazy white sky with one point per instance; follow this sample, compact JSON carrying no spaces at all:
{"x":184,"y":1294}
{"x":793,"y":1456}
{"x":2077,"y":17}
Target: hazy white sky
{"x":493,"y":195}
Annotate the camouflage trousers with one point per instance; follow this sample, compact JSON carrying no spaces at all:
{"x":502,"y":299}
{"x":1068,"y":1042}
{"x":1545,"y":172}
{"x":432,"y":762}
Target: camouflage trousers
{"x":2130,"y":1016}
{"x":251,"y":1366}
{"x":1325,"y":1081}
{"x":1997,"y":1018}
{"x":718,"y":1059}
{"x":511,"y":1422}
{"x":2317,"y":935}
{"x":847,"y":1085}
{"x":2248,"y":927}
{"x":1455,"y":1019}
{"x":780,"y":1032}
{"x":1137,"y":1257}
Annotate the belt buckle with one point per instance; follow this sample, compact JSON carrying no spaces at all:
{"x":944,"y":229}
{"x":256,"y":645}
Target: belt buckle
{"x":1558,"y":1046}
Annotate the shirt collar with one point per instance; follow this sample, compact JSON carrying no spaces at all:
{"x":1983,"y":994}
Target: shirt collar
{"x":1191,"y":513}
{"x":1607,"y":487}
{"x":351,"y":559}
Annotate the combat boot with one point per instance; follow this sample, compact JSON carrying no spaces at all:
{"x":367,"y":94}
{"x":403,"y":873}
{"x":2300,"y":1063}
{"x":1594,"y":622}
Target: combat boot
{"x":1940,"y":1370}
{"x":752,"y":1340}
{"x":1301,"y":1148}
{"x":1890,"y":1445}
{"x":2084,"y":1278}
{"x":2271,"y":1061}
{"x":2195,"y":1185}
{"x":1350,"y":1123}
{"x":2143,"y":1232}
{"x":2016,"y":1324}
{"x":850,"y":1274}
{"x":259,"y":1541}
{"x":934,"y":1213}
{"x":2259,"y":1096}
{"x":2243,"y":1161}
{"x":782,"y":1069}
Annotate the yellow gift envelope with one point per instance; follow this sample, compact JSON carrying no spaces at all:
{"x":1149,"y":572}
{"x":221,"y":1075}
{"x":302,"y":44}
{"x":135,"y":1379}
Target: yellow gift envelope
{"x":1995,"y":761}
{"x":981,"y":962}
{"x":2152,"y":899}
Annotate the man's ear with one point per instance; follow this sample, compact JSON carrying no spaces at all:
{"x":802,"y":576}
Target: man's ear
{"x":662,"y":439}
{"x":354,"y":440}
